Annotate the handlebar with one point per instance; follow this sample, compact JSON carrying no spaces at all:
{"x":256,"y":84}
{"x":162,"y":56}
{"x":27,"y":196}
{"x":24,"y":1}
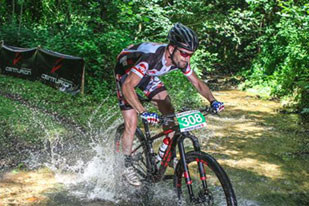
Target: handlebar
{"x":165,"y":119}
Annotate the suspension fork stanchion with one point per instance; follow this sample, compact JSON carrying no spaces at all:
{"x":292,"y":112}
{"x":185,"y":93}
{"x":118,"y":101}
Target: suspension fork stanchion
{"x":201,"y":168}
{"x":202,"y":173}
{"x":185,"y":168}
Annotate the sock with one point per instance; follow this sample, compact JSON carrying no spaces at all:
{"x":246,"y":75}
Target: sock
{"x":127,"y":160}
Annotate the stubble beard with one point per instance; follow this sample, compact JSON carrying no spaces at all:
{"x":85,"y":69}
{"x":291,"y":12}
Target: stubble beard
{"x":185,"y":65}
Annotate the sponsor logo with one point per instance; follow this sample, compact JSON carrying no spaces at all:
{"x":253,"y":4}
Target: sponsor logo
{"x":24,"y":71}
{"x":17,"y":58}
{"x":57,"y":66}
{"x":63,"y":82}
{"x":151,"y":72}
{"x":142,"y":67}
{"x":123,"y":61}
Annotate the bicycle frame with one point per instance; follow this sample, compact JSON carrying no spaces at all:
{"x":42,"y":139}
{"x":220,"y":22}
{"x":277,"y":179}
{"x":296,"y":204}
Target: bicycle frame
{"x":147,"y":163}
{"x":156,"y":174}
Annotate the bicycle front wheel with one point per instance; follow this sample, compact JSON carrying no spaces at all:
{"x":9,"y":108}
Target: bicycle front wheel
{"x":209,"y":184}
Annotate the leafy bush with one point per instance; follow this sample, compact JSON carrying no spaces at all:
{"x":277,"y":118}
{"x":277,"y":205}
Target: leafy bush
{"x":267,"y":40}
{"x":283,"y":64}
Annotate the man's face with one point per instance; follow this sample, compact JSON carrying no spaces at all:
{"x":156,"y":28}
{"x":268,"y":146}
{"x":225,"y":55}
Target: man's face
{"x":182,"y":57}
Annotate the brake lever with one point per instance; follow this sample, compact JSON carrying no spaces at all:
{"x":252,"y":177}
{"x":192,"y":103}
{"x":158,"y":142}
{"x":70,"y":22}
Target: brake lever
{"x":165,"y":120}
{"x":210,"y":110}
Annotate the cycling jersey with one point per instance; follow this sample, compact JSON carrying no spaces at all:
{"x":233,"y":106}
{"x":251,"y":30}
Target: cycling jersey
{"x":146,"y":60}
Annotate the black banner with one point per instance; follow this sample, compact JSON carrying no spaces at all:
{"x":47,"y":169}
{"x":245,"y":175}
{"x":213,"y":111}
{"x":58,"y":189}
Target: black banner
{"x":61,"y":71}
{"x":17,"y":61}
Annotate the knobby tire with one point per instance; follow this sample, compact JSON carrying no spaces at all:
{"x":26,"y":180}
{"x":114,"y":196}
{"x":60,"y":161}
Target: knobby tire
{"x":216,"y":179}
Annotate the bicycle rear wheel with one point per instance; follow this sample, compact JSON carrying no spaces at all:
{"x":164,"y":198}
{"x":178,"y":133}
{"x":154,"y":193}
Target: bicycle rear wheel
{"x":213,"y":189}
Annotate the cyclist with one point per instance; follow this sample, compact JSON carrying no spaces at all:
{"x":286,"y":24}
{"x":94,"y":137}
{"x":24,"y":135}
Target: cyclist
{"x":139,"y":66}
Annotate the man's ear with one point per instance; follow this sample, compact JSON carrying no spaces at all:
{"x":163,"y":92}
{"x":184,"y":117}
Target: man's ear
{"x":171,"y":48}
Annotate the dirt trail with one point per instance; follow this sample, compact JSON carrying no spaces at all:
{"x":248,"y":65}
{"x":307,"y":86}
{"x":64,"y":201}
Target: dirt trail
{"x":258,"y":146}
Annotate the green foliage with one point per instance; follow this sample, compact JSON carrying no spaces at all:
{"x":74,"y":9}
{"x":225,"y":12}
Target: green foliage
{"x":52,"y":101}
{"x":182,"y":93}
{"x":14,"y":123}
{"x":266,"y":40}
{"x":283,"y":64}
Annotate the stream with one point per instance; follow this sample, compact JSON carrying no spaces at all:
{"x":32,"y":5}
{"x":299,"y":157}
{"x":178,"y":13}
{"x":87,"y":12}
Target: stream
{"x":259,"y":147}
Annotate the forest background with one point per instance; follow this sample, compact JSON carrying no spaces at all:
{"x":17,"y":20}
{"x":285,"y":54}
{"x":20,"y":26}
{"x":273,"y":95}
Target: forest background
{"x":264,"y":43}
{"x":258,"y":45}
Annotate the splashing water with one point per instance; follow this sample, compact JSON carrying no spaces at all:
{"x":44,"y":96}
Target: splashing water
{"x":83,"y":163}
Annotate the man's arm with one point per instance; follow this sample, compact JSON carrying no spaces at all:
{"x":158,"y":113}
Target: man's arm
{"x":201,"y":87}
{"x":128,"y":90}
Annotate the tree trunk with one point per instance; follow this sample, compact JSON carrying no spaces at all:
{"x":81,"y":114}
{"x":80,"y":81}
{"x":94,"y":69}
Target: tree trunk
{"x":13,"y":10}
{"x":20,"y":17}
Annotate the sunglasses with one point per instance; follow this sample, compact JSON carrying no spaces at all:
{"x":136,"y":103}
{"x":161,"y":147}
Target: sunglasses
{"x":184,"y":54}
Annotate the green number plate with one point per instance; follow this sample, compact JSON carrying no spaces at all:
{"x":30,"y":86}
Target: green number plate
{"x":190,"y":120}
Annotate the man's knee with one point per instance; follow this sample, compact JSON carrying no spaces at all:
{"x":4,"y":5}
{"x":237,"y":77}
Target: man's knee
{"x":165,"y":106}
{"x":164,"y":103}
{"x":168,"y":105}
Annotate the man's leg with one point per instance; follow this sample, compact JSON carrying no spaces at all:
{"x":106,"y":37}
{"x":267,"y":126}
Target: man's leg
{"x":164,"y":104}
{"x":163,"y":101}
{"x":130,"y":124}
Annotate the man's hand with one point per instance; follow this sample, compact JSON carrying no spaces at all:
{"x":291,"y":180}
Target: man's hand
{"x":217,"y":106}
{"x":152,"y":118}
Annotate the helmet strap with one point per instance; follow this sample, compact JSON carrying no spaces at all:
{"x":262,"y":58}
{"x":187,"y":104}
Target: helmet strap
{"x":172,"y":56}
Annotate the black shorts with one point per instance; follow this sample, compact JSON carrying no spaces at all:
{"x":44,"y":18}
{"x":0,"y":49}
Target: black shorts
{"x":150,"y":85}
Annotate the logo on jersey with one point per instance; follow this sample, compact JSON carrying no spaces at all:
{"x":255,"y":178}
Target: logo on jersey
{"x":141,"y":68}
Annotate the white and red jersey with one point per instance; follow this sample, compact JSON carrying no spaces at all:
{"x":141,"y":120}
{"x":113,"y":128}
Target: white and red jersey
{"x":145,"y":59}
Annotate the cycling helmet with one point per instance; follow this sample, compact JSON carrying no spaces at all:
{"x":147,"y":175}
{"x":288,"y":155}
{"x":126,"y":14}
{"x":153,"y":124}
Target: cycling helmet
{"x":183,"y":37}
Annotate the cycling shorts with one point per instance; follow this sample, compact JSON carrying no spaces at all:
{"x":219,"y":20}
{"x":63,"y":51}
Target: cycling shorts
{"x":150,"y":85}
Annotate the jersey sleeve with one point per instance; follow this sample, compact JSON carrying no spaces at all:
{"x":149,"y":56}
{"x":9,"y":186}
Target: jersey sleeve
{"x":187,"y":71}
{"x":140,"y":69}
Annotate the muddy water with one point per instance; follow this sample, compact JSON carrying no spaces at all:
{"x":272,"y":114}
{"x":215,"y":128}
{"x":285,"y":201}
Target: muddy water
{"x":258,"y":147}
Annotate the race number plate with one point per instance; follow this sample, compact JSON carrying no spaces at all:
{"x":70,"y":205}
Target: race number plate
{"x":190,"y":120}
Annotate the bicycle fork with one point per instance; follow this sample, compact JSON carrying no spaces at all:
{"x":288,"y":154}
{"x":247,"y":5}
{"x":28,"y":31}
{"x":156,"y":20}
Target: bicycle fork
{"x":186,"y":172}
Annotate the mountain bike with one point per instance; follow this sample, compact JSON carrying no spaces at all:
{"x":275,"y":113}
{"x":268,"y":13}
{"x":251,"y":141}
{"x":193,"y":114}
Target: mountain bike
{"x":198,"y":178}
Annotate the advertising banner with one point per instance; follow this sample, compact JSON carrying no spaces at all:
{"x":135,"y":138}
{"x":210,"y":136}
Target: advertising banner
{"x":63,"y":72}
{"x":60,"y":71}
{"x":16,"y":61}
